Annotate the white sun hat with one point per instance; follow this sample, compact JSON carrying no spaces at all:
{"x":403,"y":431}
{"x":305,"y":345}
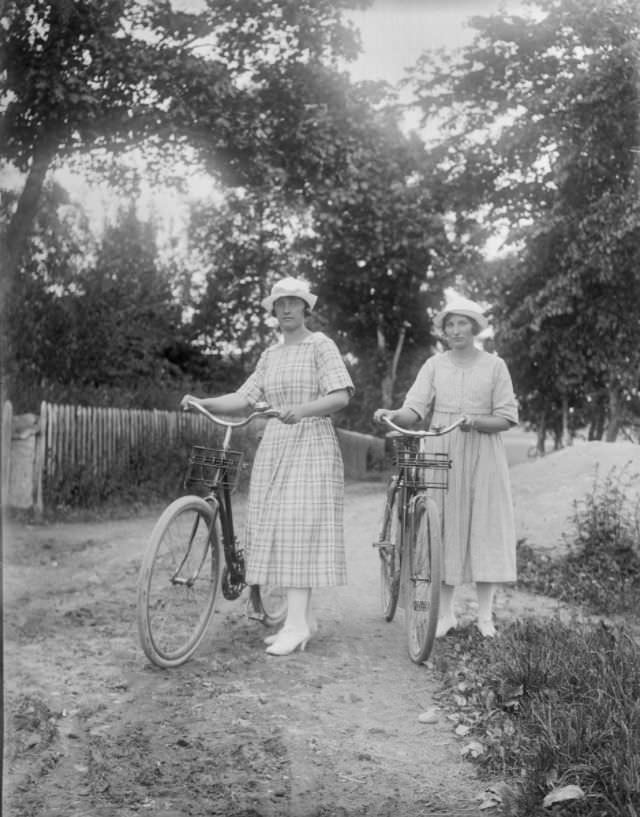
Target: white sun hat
{"x":291,"y":288}
{"x":458,"y":305}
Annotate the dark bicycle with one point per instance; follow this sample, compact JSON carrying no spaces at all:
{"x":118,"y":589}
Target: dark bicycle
{"x":193,"y":552}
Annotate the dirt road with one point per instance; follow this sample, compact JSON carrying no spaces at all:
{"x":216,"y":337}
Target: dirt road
{"x":92,"y":730}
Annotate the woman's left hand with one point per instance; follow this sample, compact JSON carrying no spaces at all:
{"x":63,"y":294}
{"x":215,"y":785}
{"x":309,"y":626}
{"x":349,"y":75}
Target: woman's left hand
{"x":291,"y":414}
{"x":468,"y":424}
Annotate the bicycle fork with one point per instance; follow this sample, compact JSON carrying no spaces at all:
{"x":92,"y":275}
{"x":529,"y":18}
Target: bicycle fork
{"x":189,"y":581}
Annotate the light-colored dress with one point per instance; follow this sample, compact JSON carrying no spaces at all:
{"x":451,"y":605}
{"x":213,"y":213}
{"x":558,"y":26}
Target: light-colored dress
{"x":294,"y":534}
{"x":477,"y":510}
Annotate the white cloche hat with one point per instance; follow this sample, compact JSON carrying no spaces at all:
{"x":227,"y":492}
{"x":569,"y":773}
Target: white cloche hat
{"x":458,"y":305}
{"x":292,"y":288}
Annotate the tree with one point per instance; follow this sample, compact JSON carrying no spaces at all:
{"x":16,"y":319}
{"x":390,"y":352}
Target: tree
{"x":242,"y":245}
{"x":104,"y":76}
{"x":544,"y":116}
{"x":383,"y":257}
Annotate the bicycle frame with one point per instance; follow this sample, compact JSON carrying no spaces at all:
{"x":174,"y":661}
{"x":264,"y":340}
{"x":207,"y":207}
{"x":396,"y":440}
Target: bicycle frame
{"x":220,"y":496}
{"x":408,"y":506}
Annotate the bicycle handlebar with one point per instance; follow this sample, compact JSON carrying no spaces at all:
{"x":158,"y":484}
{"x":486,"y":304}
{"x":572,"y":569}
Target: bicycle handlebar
{"x":261,"y":412}
{"x":436,"y":432}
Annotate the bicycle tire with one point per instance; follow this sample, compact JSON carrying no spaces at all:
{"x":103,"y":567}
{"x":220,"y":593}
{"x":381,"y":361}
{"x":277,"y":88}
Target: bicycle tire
{"x":179,"y":580}
{"x":423,"y":577}
{"x":389,"y":553}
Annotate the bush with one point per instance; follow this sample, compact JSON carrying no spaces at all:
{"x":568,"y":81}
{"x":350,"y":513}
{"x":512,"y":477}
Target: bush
{"x":602,"y":567}
{"x":551,"y":705}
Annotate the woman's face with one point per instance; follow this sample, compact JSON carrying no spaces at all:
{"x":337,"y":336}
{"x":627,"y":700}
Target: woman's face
{"x":458,"y":331}
{"x":289,"y":311}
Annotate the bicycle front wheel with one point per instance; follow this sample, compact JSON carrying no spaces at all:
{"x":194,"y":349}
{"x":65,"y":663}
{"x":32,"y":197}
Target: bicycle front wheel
{"x":178,"y":580}
{"x":389,"y":552}
{"x":424,"y":574}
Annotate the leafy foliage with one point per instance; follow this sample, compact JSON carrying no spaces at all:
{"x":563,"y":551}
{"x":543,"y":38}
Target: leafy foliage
{"x":223,"y":88}
{"x":544,"y":115}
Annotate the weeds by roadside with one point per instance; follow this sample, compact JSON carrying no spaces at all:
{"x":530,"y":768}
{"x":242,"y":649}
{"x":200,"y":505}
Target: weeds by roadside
{"x":601,"y":570}
{"x":554,"y":708}
{"x":546,"y":706}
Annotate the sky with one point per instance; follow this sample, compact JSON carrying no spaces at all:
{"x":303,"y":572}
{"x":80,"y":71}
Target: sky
{"x":396,"y":32}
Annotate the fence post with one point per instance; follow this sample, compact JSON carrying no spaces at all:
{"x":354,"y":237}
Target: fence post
{"x":39,"y":460}
{"x":5,"y":451}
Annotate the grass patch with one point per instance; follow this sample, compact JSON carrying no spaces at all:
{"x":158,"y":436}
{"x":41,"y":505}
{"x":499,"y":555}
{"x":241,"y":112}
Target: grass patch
{"x":547,"y":705}
{"x":601,"y":569}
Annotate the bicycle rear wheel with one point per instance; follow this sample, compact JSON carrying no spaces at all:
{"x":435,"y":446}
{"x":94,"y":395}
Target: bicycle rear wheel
{"x":424,"y":574}
{"x":178,"y":580}
{"x":389,"y":552}
{"x":270,"y":602}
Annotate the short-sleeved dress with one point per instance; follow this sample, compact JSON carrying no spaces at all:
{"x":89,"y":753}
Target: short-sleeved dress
{"x":477,"y":510}
{"x":294,"y":533}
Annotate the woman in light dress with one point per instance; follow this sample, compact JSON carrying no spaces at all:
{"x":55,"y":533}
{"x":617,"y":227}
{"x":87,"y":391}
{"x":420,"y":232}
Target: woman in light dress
{"x":294,"y":533}
{"x":479,"y":537}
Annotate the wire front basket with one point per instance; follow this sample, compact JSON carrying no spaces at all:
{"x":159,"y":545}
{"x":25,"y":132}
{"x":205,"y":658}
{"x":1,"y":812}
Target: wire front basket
{"x":211,"y":466}
{"x":421,"y":470}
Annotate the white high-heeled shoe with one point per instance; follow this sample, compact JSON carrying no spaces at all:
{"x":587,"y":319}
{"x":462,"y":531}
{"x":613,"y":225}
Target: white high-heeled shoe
{"x":445,"y":625}
{"x":288,"y":641}
{"x":486,"y":627}
{"x":313,"y":629}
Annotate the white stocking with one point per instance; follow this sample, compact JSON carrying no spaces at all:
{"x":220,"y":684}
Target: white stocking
{"x":298,"y":602}
{"x":485,"y":591}
{"x":446,"y":616}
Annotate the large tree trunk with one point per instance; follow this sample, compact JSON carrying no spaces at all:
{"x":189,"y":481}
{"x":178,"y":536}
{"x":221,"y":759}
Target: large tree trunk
{"x":389,"y":380}
{"x":21,"y":224}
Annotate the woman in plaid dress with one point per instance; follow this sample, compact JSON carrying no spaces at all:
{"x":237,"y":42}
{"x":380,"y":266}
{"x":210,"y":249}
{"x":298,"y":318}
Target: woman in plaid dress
{"x":294,"y":531}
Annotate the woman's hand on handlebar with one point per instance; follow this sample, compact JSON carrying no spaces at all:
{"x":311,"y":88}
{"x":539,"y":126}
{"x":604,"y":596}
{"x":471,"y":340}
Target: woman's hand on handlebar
{"x":188,"y":398}
{"x":381,"y":413}
{"x":290,"y":414}
{"x":466,"y":424}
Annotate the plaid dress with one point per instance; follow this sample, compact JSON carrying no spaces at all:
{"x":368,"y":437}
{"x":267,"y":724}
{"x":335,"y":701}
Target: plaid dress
{"x":477,"y":511}
{"x":294,"y":534}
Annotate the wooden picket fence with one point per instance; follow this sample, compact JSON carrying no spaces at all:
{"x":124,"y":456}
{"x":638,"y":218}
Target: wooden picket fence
{"x":101,"y":438}
{"x":66,"y":439}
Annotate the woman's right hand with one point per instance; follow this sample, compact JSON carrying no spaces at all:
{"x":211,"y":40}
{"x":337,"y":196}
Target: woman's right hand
{"x":380,"y":413}
{"x":188,"y":398}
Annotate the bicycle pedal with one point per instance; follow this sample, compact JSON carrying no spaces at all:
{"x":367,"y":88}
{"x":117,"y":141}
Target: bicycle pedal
{"x":253,"y":614}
